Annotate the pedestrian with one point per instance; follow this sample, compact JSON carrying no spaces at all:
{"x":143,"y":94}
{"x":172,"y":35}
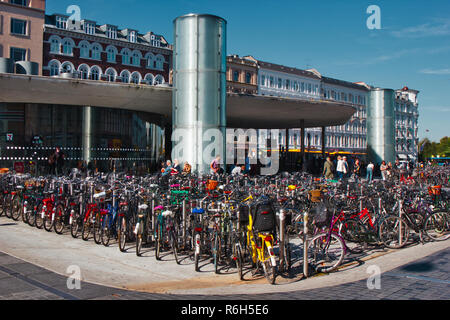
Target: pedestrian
{"x":176,"y":167}
{"x":168,"y":169}
{"x":187,"y":169}
{"x":383,"y":169}
{"x":58,"y":161}
{"x":370,"y":168}
{"x":237,"y":170}
{"x":215,"y":165}
{"x":339,"y":168}
{"x":346,"y":167}
{"x":328,"y":169}
{"x":357,"y":169}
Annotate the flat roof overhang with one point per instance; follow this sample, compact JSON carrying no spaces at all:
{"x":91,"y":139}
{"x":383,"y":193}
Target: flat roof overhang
{"x":243,"y":111}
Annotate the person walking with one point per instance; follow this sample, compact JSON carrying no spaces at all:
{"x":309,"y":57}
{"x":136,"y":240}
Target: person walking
{"x":328,"y":169}
{"x":383,"y":169}
{"x":215,"y":166}
{"x":58,"y":161}
{"x":346,"y":167}
{"x":370,"y":168}
{"x":168,"y":169}
{"x":357,"y":170}
{"x":340,"y":168}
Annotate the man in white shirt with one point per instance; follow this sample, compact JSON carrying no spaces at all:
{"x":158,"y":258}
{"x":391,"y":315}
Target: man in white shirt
{"x":237,"y":170}
{"x":340,"y":168}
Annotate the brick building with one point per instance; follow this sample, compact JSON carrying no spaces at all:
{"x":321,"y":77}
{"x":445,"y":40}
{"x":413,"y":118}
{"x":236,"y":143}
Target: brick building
{"x":21,"y":23}
{"x":85,"y":50}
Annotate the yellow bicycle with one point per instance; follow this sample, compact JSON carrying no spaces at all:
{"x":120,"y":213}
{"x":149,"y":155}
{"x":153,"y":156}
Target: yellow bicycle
{"x":260,"y":245}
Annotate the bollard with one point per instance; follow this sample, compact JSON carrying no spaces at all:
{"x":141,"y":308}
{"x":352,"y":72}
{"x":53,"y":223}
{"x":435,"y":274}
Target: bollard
{"x":282,"y":238}
{"x":305,"y":244}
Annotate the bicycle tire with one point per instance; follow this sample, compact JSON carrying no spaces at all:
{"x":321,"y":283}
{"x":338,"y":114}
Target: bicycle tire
{"x":158,"y":242}
{"x":86,"y":229}
{"x":437,"y":226}
{"x":2,"y":205}
{"x":15,"y":208}
{"x":270,"y":271}
{"x":174,"y":244}
{"x":59,"y":219}
{"x":75,"y":225}
{"x":239,"y":261}
{"x":98,"y":228}
{"x":31,"y":213}
{"x":122,"y":234}
{"x":216,"y":252}
{"x":105,"y":234}
{"x":197,"y":250}
{"x":39,"y":215}
{"x":389,"y":232}
{"x":48,"y":222}
{"x":138,"y":244}
{"x":8,"y":206}
{"x":25,"y":215}
{"x":324,"y":257}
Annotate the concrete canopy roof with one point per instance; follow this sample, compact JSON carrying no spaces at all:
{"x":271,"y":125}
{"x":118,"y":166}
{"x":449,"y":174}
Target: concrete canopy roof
{"x":243,"y":111}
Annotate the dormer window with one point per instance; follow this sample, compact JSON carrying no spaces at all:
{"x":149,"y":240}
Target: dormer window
{"x":132,"y":36}
{"x":111,"y":32}
{"x":61,"y":22}
{"x":89,"y":28}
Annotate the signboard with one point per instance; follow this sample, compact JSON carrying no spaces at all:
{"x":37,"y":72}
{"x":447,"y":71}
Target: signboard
{"x":9,"y":137}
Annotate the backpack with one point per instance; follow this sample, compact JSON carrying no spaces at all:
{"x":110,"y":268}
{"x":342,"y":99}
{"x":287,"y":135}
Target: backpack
{"x":264,"y":216}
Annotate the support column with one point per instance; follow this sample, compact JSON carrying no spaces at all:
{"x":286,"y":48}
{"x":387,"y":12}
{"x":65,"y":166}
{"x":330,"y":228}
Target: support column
{"x":286,"y":158}
{"x":86,"y":140}
{"x":323,"y":142}
{"x":302,"y":138}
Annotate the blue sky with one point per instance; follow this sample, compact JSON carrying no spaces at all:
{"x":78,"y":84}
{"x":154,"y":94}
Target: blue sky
{"x":412,"y":48}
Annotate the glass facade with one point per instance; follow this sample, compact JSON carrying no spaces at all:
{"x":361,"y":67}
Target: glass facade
{"x":97,"y":138}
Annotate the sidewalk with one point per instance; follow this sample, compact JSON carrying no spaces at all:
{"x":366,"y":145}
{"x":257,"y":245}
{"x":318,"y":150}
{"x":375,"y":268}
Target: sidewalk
{"x":108,"y":266}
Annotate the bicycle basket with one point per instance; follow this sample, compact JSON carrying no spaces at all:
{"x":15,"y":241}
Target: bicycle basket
{"x":316,"y":195}
{"x":434,"y":190}
{"x":211,"y":185}
{"x":321,"y":215}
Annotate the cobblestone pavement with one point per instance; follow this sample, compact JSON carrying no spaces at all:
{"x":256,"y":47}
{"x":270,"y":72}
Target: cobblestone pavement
{"x":424,"y":279}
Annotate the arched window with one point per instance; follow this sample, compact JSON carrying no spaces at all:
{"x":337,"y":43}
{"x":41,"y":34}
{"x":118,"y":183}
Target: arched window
{"x":54,"y":66}
{"x":150,"y":58}
{"x":96,"y":51}
{"x":126,"y":56}
{"x":55,"y":44}
{"x":159,"y":62}
{"x":159,"y":79}
{"x":85,"y":48}
{"x":111,"y":74}
{"x":83,"y":70}
{"x":136,"y":78}
{"x":248,"y":77}
{"x":67,"y":67}
{"x":68,"y":45}
{"x":149,"y":79}
{"x":136,"y":58}
{"x":111,"y":52}
{"x":95,"y":73}
{"x":125,"y":76}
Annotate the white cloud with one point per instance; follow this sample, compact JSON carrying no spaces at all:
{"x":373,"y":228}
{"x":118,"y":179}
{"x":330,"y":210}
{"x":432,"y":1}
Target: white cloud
{"x":436,"y":71}
{"x":439,"y":28}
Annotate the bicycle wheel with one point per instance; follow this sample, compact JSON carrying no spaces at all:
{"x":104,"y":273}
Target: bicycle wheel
{"x":326,"y":252}
{"x":174,"y":244}
{"x":286,"y":264}
{"x":40,"y":215}
{"x":352,"y":230}
{"x":437,"y":226}
{"x":31,"y":215}
{"x":8,"y":206}
{"x":75,"y":223}
{"x":86,"y":229}
{"x":48,"y":221}
{"x":25,"y":214}
{"x":270,"y":271}
{"x":122,"y":234}
{"x":216,"y":250}
{"x":105,"y":233}
{"x":390,"y":232}
{"x":197,"y":246}
{"x":16,"y":208}
{"x":98,"y":223}
{"x":2,"y":204}
{"x":239,"y":260}
{"x":59,"y":219}
{"x":158,"y":242}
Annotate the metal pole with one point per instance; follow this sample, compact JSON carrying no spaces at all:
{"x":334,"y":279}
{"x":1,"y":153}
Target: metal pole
{"x":184,"y":223}
{"x":282,"y":244}
{"x":400,"y":228}
{"x":305,"y":244}
{"x":153,"y":217}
